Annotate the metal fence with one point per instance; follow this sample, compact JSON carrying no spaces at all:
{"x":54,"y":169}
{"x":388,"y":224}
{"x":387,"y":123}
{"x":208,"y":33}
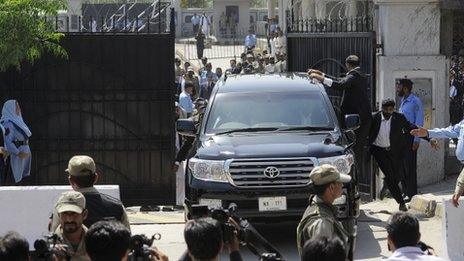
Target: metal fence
{"x":228,"y":48}
{"x":353,"y":24}
{"x":114,"y":18}
{"x":112,"y":99}
{"x":326,"y":52}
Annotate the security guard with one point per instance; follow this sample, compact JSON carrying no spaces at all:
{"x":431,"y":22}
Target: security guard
{"x":71,"y":230}
{"x":411,"y":107}
{"x":319,"y":218}
{"x":82,"y":177}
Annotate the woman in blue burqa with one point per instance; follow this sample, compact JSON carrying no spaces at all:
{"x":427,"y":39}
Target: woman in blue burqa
{"x":16,"y":139}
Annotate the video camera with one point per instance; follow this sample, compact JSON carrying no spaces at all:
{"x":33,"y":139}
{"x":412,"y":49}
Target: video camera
{"x":140,"y":247}
{"x":245,"y":232}
{"x":49,"y":247}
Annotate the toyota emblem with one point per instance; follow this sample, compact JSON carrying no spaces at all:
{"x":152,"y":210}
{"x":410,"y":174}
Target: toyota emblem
{"x":271,"y":172}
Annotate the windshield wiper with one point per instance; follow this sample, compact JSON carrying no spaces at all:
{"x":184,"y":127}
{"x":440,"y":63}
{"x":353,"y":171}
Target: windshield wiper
{"x":247,"y":130}
{"x":311,"y":128}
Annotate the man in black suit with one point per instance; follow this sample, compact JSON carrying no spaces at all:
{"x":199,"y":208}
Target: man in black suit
{"x":354,"y":101}
{"x":388,"y":140}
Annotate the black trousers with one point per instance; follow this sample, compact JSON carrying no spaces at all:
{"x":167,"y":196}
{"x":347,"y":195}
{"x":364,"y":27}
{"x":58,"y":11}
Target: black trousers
{"x":388,"y":163}
{"x":409,"y":169}
{"x":200,"y":48}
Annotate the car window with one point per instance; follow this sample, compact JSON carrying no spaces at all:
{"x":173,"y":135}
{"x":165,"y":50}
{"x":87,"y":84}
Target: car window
{"x":277,"y":109}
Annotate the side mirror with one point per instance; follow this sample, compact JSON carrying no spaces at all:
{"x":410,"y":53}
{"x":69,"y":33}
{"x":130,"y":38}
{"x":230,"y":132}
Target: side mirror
{"x":352,"y":121}
{"x":186,"y":127}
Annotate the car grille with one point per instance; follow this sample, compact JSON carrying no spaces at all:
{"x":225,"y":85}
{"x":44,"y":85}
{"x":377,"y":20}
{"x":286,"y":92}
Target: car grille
{"x":249,"y":173}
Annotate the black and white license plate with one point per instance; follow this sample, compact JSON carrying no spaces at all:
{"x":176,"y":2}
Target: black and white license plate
{"x":272,"y":203}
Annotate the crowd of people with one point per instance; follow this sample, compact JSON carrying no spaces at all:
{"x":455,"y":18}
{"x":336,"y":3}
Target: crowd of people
{"x":192,"y":84}
{"x":92,"y":226}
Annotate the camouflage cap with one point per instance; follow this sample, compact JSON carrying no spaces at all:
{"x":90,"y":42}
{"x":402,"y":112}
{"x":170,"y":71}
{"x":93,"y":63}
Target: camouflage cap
{"x":81,"y":165}
{"x":326,"y":173}
{"x":72,"y":201}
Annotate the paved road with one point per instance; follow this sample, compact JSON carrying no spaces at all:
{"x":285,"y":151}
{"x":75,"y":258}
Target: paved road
{"x":371,"y":242}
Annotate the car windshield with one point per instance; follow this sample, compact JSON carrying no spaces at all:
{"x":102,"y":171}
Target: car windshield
{"x":279,"y":110}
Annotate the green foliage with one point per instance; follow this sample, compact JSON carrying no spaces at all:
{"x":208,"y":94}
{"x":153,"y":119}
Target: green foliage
{"x":196,"y":3}
{"x":25,"y":31}
{"x":258,"y":3}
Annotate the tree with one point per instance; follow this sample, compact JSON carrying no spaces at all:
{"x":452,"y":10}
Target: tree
{"x":258,"y":3}
{"x":27,"y":31}
{"x":196,"y":3}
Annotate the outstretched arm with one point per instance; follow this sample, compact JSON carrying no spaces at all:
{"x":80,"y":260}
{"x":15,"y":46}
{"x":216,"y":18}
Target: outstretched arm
{"x":336,"y":83}
{"x":452,"y":132}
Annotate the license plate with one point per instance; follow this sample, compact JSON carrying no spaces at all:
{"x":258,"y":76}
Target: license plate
{"x":272,"y":203}
{"x":211,"y":203}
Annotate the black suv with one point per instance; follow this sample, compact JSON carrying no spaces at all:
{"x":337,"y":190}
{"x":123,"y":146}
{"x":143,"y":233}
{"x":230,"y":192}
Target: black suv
{"x":260,"y":137}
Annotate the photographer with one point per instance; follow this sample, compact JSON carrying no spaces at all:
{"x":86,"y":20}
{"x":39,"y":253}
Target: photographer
{"x":110,"y":241}
{"x":404,"y":239}
{"x":13,"y":246}
{"x":71,"y":231}
{"x":204,"y":238}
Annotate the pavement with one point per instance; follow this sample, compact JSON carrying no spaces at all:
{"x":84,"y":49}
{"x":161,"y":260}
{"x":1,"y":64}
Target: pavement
{"x":371,"y":240}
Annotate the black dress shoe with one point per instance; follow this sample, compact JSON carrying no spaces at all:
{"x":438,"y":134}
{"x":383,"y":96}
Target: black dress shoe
{"x":403,"y":207}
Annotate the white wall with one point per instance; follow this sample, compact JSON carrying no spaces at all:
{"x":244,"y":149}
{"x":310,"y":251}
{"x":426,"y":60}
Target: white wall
{"x":411,"y":27}
{"x":409,"y":31}
{"x":27,"y":209}
{"x":430,"y":163}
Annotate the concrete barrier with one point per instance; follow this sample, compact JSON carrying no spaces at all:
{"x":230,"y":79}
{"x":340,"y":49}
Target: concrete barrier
{"x":27,"y":209}
{"x":453,"y":230}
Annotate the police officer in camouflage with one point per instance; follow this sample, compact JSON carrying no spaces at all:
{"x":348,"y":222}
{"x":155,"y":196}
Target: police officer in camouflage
{"x":319,"y":218}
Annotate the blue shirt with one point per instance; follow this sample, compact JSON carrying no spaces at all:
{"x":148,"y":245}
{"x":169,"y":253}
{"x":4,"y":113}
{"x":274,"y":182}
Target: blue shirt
{"x":195,"y":20}
{"x":413,"y":110}
{"x":204,"y":75}
{"x":185,"y":102}
{"x":452,"y":132}
{"x":250,"y":40}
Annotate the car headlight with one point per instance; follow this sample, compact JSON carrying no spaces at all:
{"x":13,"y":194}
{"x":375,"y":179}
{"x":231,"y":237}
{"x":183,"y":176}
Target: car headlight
{"x":342,"y":163}
{"x":210,"y":170}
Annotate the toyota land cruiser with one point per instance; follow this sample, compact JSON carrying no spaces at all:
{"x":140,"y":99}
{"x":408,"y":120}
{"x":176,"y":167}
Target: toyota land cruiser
{"x":260,"y":137}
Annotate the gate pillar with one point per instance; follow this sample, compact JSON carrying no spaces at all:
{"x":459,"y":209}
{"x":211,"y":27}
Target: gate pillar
{"x":409,"y":34}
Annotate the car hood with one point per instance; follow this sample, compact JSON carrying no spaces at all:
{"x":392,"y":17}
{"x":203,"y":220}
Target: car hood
{"x":271,"y":145}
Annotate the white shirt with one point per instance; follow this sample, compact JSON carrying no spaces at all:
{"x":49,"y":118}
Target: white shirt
{"x":270,"y":68}
{"x":453,"y":91}
{"x":412,"y":254}
{"x":281,"y":44}
{"x":328,"y":82}
{"x":383,"y":138}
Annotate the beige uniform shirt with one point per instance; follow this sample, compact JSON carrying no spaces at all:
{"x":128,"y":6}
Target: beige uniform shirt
{"x":56,"y":219}
{"x":77,"y":253}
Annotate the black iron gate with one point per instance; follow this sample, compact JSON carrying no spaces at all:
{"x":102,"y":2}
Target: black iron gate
{"x":112,"y":99}
{"x":325,"y":46}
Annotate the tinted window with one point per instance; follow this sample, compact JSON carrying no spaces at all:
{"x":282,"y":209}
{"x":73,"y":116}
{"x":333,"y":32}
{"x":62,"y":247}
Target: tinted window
{"x":253,"y":110}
